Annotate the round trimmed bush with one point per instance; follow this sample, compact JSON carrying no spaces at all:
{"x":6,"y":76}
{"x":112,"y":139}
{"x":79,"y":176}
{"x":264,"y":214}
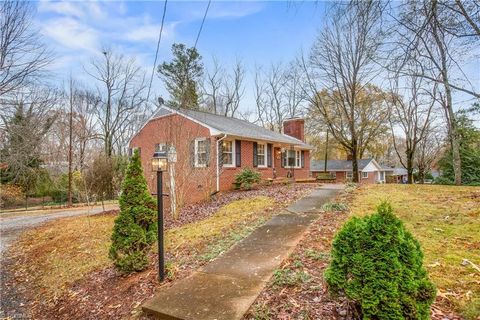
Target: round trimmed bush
{"x":378,"y":265}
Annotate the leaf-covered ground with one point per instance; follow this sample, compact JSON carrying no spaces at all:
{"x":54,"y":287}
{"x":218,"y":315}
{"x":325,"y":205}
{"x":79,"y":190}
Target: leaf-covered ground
{"x":445,"y":219}
{"x":61,"y":270}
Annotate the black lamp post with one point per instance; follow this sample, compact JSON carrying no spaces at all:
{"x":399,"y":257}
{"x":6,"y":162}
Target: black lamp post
{"x":159,"y":165}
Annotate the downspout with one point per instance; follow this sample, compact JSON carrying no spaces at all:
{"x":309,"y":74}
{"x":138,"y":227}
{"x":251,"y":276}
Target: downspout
{"x":218,"y":161}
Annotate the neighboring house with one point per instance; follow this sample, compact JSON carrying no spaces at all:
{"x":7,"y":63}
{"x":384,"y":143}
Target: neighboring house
{"x":341,"y":170}
{"x":397,"y":175}
{"x":212,"y":149}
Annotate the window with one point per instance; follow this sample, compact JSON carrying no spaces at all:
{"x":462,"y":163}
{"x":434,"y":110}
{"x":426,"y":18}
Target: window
{"x":160,"y":150}
{"x":228,"y":154}
{"x":364,"y":175}
{"x":292,"y":159}
{"x":261,"y":155}
{"x":200,"y":152}
{"x":333,"y":174}
{"x":349,"y":174}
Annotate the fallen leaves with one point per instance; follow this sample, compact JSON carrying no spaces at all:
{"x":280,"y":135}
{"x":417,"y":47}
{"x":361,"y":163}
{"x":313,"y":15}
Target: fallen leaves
{"x":103,"y":293}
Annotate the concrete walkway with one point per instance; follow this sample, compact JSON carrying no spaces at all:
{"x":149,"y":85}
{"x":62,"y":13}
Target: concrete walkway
{"x":225,"y":288}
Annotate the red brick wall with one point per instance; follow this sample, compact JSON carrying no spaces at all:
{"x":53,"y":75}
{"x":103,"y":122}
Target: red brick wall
{"x":192,"y":184}
{"x":295,"y":128}
{"x":196,"y":184}
{"x":227,"y":175}
{"x":372,"y":178}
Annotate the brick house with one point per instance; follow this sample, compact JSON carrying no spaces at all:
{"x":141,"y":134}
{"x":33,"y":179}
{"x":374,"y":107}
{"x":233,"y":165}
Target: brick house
{"x":212,"y":149}
{"x":340,"y":171}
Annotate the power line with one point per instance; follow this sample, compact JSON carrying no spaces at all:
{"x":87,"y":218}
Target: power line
{"x":158,"y":46}
{"x":203,"y":22}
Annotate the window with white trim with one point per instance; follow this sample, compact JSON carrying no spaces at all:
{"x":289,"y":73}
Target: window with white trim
{"x":228,"y":153}
{"x":349,"y":174}
{"x":292,"y":159}
{"x":200,"y":152}
{"x":364,"y":175}
{"x":261,"y":155}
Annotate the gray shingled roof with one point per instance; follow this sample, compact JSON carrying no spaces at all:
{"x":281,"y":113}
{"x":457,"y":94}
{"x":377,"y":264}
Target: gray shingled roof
{"x":387,"y":168}
{"x":399,"y":171}
{"x":337,"y":165}
{"x":236,"y":127}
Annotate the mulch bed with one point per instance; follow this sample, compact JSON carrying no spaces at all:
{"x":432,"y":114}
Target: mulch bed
{"x":107,"y":294}
{"x":309,"y":299}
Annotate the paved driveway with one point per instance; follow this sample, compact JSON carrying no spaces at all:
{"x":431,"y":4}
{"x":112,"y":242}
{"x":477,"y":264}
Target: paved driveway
{"x":13,"y":224}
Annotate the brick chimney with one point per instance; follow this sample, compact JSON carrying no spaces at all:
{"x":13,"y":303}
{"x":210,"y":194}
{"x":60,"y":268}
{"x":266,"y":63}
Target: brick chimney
{"x":295,"y":128}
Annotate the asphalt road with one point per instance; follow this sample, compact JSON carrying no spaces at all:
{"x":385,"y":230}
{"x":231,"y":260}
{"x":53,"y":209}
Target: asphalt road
{"x":13,"y":224}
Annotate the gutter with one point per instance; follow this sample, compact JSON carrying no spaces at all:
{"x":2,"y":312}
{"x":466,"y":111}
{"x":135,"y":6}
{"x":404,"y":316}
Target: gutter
{"x":218,"y":161}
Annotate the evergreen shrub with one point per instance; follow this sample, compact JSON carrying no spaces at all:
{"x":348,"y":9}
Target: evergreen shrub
{"x":378,"y":265}
{"x":135,"y":228}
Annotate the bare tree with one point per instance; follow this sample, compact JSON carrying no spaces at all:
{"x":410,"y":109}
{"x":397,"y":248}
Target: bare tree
{"x":233,"y":89}
{"x":343,"y":61}
{"x":464,"y":18}
{"x":120,"y":87}
{"x":437,"y":52}
{"x":212,"y":85}
{"x":294,"y":94}
{"x":429,"y":150}
{"x":278,"y":94}
{"x":224,"y":89}
{"x":23,"y":56}
{"x":411,"y":115}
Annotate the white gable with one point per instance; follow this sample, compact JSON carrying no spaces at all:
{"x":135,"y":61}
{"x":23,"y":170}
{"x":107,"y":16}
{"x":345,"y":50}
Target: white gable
{"x":372,"y":166}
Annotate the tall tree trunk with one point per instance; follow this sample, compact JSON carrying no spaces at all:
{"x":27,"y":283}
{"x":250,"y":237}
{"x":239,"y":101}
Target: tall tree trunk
{"x":452,"y":122}
{"x":409,"y":167}
{"x":355,"y":164}
{"x":421,"y":174}
{"x":326,"y":152}
{"x":454,"y":141}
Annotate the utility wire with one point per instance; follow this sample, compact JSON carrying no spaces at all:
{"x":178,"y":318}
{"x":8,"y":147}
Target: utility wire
{"x":158,"y":46}
{"x":203,"y":22}
{"x":196,"y":42}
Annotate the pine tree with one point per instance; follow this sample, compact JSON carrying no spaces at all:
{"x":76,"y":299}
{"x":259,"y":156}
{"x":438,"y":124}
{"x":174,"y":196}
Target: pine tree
{"x":135,"y":228}
{"x":378,"y":265}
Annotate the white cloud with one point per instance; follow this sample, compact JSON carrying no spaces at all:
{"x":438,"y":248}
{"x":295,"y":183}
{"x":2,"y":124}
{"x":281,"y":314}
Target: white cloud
{"x":219,"y":10}
{"x":62,"y":8}
{"x":71,"y":34}
{"x":149,"y":32}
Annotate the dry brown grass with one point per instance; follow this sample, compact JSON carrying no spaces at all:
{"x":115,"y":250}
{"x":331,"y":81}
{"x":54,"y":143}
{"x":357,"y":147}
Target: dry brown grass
{"x":63,"y":251}
{"x":60,"y":252}
{"x":446,"y":221}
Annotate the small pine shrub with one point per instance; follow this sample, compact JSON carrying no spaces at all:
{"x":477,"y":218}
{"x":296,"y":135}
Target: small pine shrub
{"x":247,"y":178}
{"x":135,"y":228}
{"x":378,"y":264}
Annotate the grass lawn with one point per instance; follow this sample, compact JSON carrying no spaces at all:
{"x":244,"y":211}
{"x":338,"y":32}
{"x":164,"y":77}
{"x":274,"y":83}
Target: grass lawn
{"x":61,"y":270}
{"x":446,"y":221}
{"x":65,"y":250}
